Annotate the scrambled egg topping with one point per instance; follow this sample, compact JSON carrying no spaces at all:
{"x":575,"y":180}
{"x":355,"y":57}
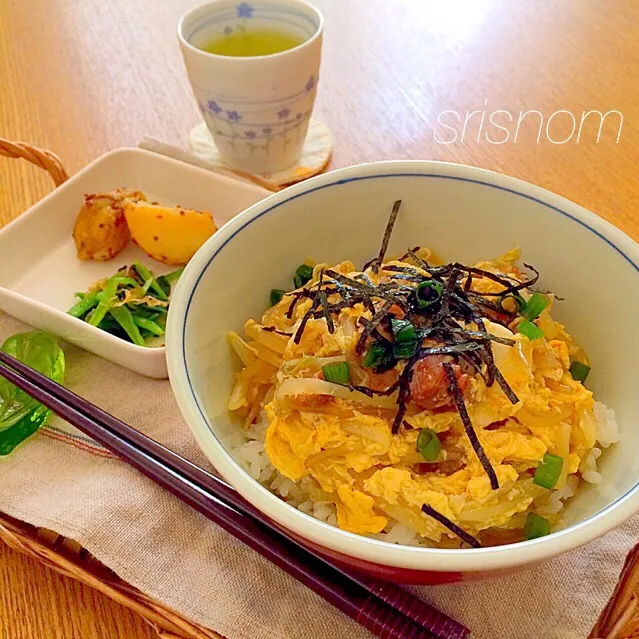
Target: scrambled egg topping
{"x":339,"y":442}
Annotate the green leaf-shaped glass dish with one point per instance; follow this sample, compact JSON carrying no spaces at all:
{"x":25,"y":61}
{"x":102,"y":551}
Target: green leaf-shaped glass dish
{"x":21,"y":415}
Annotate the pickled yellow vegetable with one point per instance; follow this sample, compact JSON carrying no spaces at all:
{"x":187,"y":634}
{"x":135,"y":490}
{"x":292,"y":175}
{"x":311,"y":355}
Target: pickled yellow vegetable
{"x":169,"y":235}
{"x":100,"y":230}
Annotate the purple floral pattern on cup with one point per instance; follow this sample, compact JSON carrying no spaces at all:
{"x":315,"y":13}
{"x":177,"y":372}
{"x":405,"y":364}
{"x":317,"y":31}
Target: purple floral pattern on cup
{"x":214,"y":107}
{"x":245,"y":10}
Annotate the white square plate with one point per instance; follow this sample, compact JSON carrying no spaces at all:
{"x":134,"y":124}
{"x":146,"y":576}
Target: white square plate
{"x":40,"y":270}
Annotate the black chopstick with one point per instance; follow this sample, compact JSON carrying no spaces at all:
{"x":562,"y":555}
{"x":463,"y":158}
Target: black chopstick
{"x":381,"y":619}
{"x":406,"y":603}
{"x":414,"y":608}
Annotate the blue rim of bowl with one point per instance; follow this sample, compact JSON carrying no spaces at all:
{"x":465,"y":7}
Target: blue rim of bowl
{"x":339,"y":182}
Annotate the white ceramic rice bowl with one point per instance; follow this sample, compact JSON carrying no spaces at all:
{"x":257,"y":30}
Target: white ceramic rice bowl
{"x":464,"y":214}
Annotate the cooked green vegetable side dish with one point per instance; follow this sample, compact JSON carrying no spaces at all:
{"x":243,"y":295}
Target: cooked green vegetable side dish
{"x":21,"y":415}
{"x":132,"y":304}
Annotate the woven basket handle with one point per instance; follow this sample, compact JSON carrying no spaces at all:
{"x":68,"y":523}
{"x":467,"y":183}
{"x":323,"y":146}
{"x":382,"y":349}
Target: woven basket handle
{"x":40,"y":157}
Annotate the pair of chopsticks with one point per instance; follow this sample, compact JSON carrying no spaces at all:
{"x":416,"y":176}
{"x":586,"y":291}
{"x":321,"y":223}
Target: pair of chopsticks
{"x":383,"y":608}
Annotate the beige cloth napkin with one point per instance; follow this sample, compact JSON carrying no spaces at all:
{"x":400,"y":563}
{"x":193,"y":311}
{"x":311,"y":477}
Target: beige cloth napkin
{"x":61,"y":480}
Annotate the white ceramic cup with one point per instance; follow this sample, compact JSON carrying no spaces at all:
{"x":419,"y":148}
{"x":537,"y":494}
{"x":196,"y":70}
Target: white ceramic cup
{"x":257,"y":108}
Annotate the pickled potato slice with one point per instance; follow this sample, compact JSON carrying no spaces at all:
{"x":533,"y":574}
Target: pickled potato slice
{"x":169,"y":235}
{"x":100,"y":230}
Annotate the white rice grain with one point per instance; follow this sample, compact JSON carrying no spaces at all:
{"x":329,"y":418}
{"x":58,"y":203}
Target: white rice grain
{"x":592,"y":477}
{"x":607,"y":426}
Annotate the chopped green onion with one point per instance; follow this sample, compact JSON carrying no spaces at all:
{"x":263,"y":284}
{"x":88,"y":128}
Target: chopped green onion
{"x":303,"y":274}
{"x":276,"y":295}
{"x":149,"y":325}
{"x":86,"y":303}
{"x":530,"y":330}
{"x":548,"y":471}
{"x":122,"y":315}
{"x":534,"y":306}
{"x":375,"y":355}
{"x":403,"y":330}
{"x":427,"y":293}
{"x":404,"y":350}
{"x":149,"y":280}
{"x":536,"y":526}
{"x":520,"y":302}
{"x":579,"y":371}
{"x":337,"y":373}
{"x":428,"y":444}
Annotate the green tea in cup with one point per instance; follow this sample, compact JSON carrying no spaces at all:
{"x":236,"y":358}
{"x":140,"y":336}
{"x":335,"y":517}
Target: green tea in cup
{"x":242,"y":43}
{"x":254,"y":68}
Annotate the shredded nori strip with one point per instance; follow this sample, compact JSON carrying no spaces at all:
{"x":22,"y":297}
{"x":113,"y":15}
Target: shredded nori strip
{"x":372,"y":391}
{"x":503,"y":384}
{"x":453,"y":324}
{"x":459,"y":347}
{"x":475,"y":362}
{"x":500,"y":279}
{"x":322,"y":298}
{"x":511,"y":285}
{"x":456,"y":393}
{"x":370,"y":325}
{"x":377,"y":262}
{"x":272,"y":329}
{"x":394,"y":268}
{"x":469,"y":282}
{"x":481,"y":335}
{"x":494,"y":374}
{"x":408,"y":277}
{"x":404,"y":388}
{"x":486,"y":356}
{"x":325,"y":310}
{"x":291,"y":308}
{"x":528,"y":283}
{"x":444,"y":308}
{"x":307,"y":316}
{"x":444,"y":521}
{"x":423,"y":264}
{"x":365,"y":279}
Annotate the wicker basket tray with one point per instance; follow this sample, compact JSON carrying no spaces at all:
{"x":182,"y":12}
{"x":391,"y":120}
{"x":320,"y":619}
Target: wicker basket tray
{"x":620,"y":619}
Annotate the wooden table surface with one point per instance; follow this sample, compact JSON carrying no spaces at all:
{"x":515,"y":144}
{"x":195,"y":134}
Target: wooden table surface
{"x":81,"y":77}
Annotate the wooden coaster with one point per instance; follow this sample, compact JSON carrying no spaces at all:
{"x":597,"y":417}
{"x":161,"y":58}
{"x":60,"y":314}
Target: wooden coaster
{"x":315,"y":156}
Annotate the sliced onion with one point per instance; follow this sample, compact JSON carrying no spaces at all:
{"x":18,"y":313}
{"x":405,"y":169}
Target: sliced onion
{"x":274,"y":341}
{"x":310,"y":363}
{"x":245,"y":352}
{"x":313,"y":386}
{"x":379,"y":433}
